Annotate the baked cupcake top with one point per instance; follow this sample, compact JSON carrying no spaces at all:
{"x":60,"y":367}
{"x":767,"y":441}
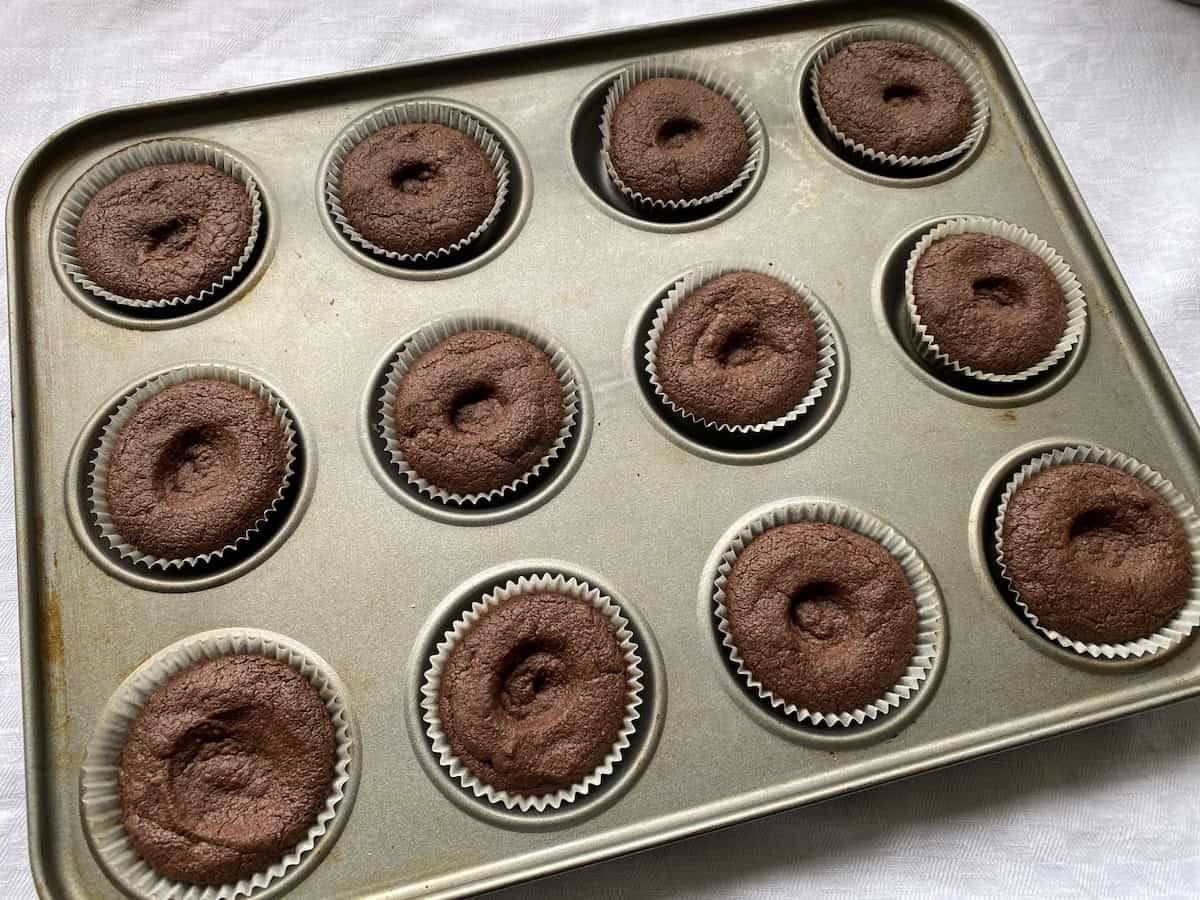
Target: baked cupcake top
{"x":533,"y":697}
{"x":225,"y":768}
{"x":169,"y":230}
{"x":478,"y":411}
{"x":194,"y":467}
{"x":1095,"y":554}
{"x":895,"y":97}
{"x":417,"y":187}
{"x":740,"y":350}
{"x":675,"y":139}
{"x":989,"y":303}
{"x":822,"y":616}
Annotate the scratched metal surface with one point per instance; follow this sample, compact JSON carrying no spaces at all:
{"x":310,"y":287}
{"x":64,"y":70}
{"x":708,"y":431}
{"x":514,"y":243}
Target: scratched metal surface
{"x":317,"y":323}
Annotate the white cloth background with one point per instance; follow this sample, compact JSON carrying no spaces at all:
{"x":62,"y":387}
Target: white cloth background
{"x":1111,"y":812}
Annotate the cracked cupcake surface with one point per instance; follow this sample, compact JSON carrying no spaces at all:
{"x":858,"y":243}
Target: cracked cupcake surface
{"x":417,"y":187}
{"x":822,"y":616}
{"x":740,"y":350}
{"x":225,"y":769}
{"x":895,"y":97}
{"x":533,"y":697}
{"x":988,"y":303}
{"x":161,"y":231}
{"x":675,"y":139}
{"x":194,"y":467}
{"x":478,"y":410}
{"x":1095,"y":554}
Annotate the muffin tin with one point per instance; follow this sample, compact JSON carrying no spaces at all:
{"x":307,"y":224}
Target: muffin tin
{"x":639,"y":504}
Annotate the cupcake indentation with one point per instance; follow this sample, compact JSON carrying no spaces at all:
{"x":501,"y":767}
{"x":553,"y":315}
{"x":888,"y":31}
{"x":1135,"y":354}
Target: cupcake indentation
{"x":225,"y":769}
{"x":166,"y":230}
{"x":478,"y":410}
{"x":853,"y":612}
{"x":1095,"y":554}
{"x":194,"y":467}
{"x":534,"y":696}
{"x":675,"y":139}
{"x":989,"y":303}
{"x":417,"y":187}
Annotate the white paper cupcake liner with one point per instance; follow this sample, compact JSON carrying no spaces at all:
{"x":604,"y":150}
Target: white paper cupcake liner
{"x":433,"y":676}
{"x":425,"y":339}
{"x":406,"y":112}
{"x":935,"y":43}
{"x":99,"y":790}
{"x":926,"y":343}
{"x":97,"y":489}
{"x":696,"y":279}
{"x":150,"y":153}
{"x":661,"y":67}
{"x":1183,"y":622}
{"x":920,"y":579}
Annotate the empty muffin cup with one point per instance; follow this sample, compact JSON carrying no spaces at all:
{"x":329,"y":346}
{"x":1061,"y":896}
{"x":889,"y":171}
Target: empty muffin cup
{"x":162,"y":225}
{"x":414,"y":112}
{"x":705,"y":75}
{"x":99,"y":789}
{"x":935,"y":43}
{"x":1182,"y":623}
{"x":929,"y":627}
{"x":694,"y":280}
{"x":431,"y":690}
{"x":1075,"y":303}
{"x":425,"y":339}
{"x":97,"y":488}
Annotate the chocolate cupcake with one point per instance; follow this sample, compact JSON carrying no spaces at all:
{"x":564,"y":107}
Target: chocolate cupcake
{"x":164,"y":223}
{"x":740,"y":348}
{"x":475,"y":408}
{"x":898,"y":96}
{"x":532,"y":696}
{"x":218,"y":766}
{"x":991,"y":301}
{"x":225,"y":769}
{"x":677,"y":137}
{"x":1099,"y":552}
{"x":827,"y":613}
{"x":416,"y":181}
{"x":190,"y":465}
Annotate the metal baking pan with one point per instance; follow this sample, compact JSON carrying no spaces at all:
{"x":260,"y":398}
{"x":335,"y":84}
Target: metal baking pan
{"x":366,"y":580}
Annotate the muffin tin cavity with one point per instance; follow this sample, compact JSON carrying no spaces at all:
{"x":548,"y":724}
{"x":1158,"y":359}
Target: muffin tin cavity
{"x":205,"y":570}
{"x":162,"y":231}
{"x":585,"y":142}
{"x":891,"y":311}
{"x":516,"y":498}
{"x":497,"y":230}
{"x":885,"y":168}
{"x":641,"y":740}
{"x":895,"y":708}
{"x":740,"y":446}
{"x":993,"y":493}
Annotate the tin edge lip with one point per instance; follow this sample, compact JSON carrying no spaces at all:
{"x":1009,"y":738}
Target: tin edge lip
{"x":647,"y":733}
